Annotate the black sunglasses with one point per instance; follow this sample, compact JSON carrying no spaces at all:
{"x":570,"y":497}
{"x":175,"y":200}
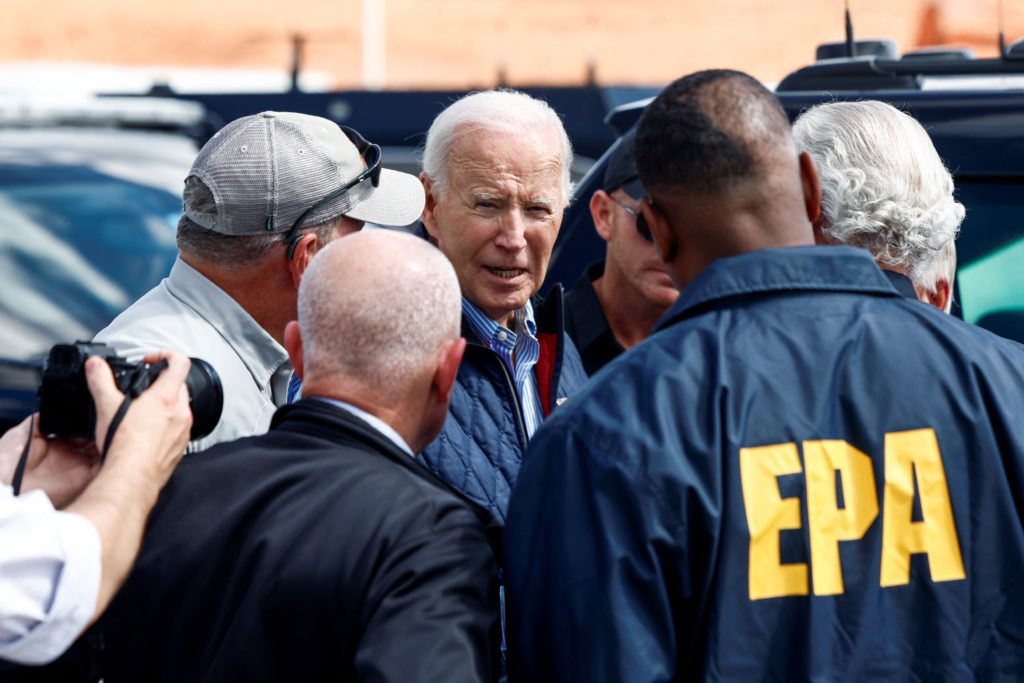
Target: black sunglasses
{"x":372,"y":157}
{"x":642,"y":228}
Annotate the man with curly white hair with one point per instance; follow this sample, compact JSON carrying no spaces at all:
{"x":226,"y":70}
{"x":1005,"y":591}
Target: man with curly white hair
{"x":885,"y":188}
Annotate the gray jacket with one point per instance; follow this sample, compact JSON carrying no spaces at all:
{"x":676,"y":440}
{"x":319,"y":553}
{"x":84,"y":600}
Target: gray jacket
{"x":188,"y":313}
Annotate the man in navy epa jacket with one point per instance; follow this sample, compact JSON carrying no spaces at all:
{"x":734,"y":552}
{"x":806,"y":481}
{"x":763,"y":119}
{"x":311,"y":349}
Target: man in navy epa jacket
{"x":802,"y":475}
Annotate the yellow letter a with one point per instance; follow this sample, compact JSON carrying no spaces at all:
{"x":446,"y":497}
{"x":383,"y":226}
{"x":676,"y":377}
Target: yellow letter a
{"x":908,"y":454}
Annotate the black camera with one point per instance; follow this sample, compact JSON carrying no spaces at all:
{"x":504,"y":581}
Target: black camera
{"x":66,"y":407}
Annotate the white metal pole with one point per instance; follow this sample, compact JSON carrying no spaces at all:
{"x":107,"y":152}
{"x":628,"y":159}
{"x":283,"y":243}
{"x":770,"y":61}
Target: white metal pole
{"x":374,"y":44}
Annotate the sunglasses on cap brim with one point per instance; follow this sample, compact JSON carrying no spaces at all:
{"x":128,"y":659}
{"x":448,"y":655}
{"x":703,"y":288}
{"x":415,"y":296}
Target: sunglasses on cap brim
{"x":372,"y":158}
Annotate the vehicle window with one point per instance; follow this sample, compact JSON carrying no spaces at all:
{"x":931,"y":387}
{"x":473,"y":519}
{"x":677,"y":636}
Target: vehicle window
{"x":990,"y":251}
{"x":75,"y":252}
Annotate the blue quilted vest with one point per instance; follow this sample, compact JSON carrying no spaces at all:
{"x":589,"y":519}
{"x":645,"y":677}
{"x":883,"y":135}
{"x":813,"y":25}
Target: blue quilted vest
{"x":481,"y":446}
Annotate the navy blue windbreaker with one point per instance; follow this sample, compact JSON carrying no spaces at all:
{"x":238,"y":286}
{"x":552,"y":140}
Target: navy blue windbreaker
{"x":801,"y":476}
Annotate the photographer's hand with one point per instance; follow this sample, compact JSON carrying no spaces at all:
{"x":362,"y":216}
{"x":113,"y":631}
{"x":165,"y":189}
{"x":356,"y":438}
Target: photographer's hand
{"x":60,"y":467}
{"x":145,"y":449}
{"x":157,"y":423}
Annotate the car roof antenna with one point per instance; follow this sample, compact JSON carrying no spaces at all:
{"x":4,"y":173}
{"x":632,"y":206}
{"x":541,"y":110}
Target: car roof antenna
{"x":1002,"y":34}
{"x":849,"y":32}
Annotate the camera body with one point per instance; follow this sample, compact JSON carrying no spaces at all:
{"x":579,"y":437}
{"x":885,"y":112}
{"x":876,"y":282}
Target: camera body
{"x":66,"y":407}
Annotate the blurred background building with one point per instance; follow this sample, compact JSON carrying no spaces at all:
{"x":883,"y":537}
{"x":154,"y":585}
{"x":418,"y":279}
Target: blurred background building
{"x":459,"y":44}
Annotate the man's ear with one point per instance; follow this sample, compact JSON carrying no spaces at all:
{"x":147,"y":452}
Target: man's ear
{"x":293,"y":345}
{"x":429,"y":206}
{"x":665,"y":240}
{"x":941,"y":298}
{"x":304,"y":252}
{"x":447,"y":369}
{"x":601,"y":213}
{"x":811,"y":187}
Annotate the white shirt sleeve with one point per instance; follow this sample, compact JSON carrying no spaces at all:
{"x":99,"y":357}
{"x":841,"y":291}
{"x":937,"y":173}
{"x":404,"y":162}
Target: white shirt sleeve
{"x":50,"y":564}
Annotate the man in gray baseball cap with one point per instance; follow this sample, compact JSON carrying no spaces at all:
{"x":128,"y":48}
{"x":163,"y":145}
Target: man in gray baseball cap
{"x":263,"y":196}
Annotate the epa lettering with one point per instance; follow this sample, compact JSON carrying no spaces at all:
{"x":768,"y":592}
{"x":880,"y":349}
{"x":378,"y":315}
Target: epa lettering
{"x":908,"y":455}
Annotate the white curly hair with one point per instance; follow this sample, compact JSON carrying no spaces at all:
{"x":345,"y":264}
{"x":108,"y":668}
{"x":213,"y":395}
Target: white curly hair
{"x":883,"y":185}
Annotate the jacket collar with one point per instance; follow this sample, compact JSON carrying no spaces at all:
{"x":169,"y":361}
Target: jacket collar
{"x":901,"y":283}
{"x":260,"y":352}
{"x":588,"y":315}
{"x":817,"y":268}
{"x":547,"y":312}
{"x":325,"y":421}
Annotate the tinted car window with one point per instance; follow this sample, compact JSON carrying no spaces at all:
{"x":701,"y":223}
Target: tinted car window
{"x":87,"y":225}
{"x":75,"y":250}
{"x":990,"y":251}
{"x":88,"y":216}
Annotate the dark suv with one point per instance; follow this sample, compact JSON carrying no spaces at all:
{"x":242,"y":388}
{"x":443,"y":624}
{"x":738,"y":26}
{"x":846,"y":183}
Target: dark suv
{"x":974,"y":111}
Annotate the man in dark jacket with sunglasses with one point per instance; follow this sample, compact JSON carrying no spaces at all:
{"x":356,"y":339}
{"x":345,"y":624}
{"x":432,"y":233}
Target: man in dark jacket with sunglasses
{"x":615,"y":303}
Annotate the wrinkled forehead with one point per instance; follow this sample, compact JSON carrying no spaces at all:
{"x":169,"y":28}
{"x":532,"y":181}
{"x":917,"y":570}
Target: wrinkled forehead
{"x":481,"y":153}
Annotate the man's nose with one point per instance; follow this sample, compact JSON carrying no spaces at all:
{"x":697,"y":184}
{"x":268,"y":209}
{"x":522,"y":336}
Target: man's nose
{"x":512,"y":231}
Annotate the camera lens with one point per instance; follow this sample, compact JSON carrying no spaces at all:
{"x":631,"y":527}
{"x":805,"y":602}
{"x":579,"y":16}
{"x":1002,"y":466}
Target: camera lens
{"x":206,"y":396}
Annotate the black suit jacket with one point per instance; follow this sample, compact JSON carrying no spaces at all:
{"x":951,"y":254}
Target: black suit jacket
{"x":317,"y":551}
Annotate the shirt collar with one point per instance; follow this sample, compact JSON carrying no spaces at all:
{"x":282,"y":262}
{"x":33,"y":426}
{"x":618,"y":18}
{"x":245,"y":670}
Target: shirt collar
{"x":260,"y":352}
{"x":822,"y":268}
{"x":525,"y":321}
{"x":380,"y":425}
{"x":588,"y":316}
{"x":488,"y":330}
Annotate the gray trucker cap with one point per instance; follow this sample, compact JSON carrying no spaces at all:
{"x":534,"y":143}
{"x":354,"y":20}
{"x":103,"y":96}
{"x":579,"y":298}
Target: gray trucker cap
{"x":267,"y":169}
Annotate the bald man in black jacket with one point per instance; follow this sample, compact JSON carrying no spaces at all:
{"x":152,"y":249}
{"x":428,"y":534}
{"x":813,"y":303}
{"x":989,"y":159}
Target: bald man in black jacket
{"x":324,"y":550}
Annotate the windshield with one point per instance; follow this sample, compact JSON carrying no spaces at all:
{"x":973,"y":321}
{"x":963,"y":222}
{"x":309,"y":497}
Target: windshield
{"x":76,"y":248}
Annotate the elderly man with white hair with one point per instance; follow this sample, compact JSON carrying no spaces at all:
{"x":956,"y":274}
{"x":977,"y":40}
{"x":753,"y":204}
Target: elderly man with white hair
{"x":323,"y":550}
{"x":885,"y":188}
{"x":496,"y":175}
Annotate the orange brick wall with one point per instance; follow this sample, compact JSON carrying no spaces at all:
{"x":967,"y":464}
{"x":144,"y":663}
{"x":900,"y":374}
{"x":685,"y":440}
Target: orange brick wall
{"x":465,"y":43}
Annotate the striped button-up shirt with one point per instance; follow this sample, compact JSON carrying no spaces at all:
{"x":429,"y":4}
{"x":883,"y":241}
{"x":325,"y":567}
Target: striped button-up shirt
{"x":520,"y":351}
